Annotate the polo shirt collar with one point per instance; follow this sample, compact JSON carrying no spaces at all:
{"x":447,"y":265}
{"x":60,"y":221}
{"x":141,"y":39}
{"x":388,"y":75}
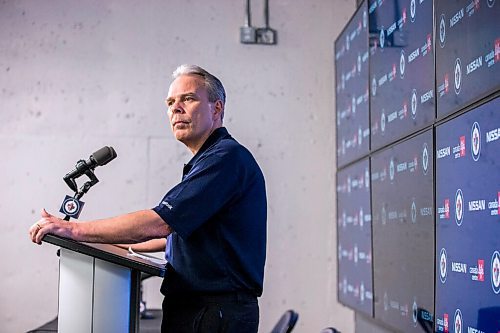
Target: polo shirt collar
{"x":217,"y":134}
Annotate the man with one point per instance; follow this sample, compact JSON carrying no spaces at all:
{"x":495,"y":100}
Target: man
{"x":215,"y":218}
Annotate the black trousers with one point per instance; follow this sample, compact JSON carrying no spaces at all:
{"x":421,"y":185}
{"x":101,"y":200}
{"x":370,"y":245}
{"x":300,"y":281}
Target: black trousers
{"x":221,"y":313}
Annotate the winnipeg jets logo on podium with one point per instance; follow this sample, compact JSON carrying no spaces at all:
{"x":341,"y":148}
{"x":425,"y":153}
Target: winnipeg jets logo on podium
{"x":71,"y":207}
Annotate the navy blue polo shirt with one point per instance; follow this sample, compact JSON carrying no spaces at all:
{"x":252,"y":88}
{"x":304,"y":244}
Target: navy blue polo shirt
{"x":218,"y":213}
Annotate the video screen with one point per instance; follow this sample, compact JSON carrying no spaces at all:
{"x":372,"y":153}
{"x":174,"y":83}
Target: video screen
{"x":468,"y":221}
{"x":401,"y":68}
{"x":467,"y":52}
{"x":354,"y":237}
{"x":403,"y":234}
{"x":351,"y":84}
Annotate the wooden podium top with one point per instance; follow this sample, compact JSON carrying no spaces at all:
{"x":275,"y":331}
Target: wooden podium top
{"x":111,"y":253}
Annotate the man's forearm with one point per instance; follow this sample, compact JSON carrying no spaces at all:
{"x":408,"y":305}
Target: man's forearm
{"x":130,"y":228}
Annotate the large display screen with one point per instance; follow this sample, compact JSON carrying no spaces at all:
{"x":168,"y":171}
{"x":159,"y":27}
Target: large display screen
{"x":467,"y":52}
{"x":403,"y":234}
{"x":351,"y":68}
{"x":468,"y":221}
{"x":401,"y":68}
{"x":354,"y":237}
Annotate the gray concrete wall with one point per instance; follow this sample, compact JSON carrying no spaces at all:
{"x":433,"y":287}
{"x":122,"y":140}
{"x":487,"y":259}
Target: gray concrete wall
{"x":78,"y":75}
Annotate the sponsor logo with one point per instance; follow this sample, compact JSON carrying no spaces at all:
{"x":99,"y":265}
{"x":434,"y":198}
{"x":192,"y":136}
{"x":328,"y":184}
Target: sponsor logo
{"x":477,"y":272}
{"x":382,"y":37}
{"x":425,"y":159}
{"x":413,"y":212}
{"x":490,"y":3}
{"x":426,"y":96}
{"x":362,"y":292}
{"x":71,"y":207}
{"x":442,"y":265}
{"x":497,"y":50}
{"x":391,"y":170}
{"x":457,"y":17}
{"x":361,"y":218}
{"x":458,"y":321}
{"x":458,"y":267}
{"x":474,"y":64}
{"x":443,"y":152}
{"x":374,"y":87}
{"x":495,"y":272}
{"x":412,"y":10}
{"x":459,"y":207}
{"x":493,"y":135}
{"x":414,"y":103}
{"x":446,"y":322}
{"x":413,"y":55}
{"x":365,"y":19}
{"x":415,"y":313}
{"x":402,"y":64}
{"x":458,"y":76}
{"x":477,"y":205}
{"x":476,"y":141}
{"x":359,"y":62}
{"x":442,"y":30}
{"x":382,"y":122}
{"x":166,"y":204}
{"x":353,"y":103}
{"x":462,"y":146}
{"x":444,"y":212}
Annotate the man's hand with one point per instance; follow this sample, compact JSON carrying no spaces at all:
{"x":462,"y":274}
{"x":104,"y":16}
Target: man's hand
{"x":50,"y":224}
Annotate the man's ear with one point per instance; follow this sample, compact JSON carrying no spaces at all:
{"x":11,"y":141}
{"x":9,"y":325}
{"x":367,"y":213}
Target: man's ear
{"x":218,"y":109}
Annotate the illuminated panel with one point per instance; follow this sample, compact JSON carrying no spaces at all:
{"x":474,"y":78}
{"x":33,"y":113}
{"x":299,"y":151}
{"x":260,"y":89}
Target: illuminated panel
{"x":467,"y":52}
{"x":468,"y":221}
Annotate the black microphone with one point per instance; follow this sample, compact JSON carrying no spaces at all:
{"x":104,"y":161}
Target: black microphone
{"x":100,"y":157}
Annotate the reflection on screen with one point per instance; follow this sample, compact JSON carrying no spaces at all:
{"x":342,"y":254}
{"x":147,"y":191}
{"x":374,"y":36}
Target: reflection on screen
{"x":401,"y":69}
{"x":351,"y":67}
{"x":354,"y":237}
{"x":403,"y":234}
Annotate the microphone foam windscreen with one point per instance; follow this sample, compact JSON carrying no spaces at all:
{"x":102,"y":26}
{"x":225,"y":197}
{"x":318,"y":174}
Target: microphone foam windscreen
{"x":104,"y":155}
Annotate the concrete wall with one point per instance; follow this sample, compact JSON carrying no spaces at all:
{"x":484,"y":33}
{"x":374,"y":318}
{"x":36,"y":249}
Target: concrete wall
{"x":76,"y":76}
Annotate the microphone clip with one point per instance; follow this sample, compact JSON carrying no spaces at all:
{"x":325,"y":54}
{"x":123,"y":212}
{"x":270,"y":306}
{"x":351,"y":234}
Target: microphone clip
{"x":81,"y":168}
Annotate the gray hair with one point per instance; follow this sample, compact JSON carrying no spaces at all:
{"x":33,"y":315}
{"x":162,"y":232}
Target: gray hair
{"x":214,"y":87}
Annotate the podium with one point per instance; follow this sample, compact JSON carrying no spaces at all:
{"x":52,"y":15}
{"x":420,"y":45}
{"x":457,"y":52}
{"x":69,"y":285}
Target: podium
{"x":99,"y":286}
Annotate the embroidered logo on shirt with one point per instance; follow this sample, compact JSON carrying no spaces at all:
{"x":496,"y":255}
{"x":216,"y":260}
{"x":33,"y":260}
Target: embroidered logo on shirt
{"x":169,"y":206}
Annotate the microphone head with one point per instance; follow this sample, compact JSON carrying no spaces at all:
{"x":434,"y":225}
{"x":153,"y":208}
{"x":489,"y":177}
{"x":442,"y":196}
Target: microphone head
{"x":103,"y":155}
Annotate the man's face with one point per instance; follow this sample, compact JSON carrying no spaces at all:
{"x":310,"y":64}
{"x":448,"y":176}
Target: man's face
{"x":192,"y":117}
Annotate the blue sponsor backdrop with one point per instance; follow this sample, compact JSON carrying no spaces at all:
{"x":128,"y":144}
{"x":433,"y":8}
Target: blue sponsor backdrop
{"x":401,"y":68}
{"x":351,"y":68}
{"x":354,"y":237}
{"x":468,"y":221}
{"x":467,"y":52}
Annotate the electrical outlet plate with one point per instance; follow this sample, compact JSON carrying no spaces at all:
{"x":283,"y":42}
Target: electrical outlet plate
{"x":266,"y":36}
{"x":248,"y":35}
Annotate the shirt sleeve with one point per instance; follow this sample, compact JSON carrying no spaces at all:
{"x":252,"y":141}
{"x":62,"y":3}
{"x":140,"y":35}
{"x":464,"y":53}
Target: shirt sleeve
{"x":212,"y":183}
